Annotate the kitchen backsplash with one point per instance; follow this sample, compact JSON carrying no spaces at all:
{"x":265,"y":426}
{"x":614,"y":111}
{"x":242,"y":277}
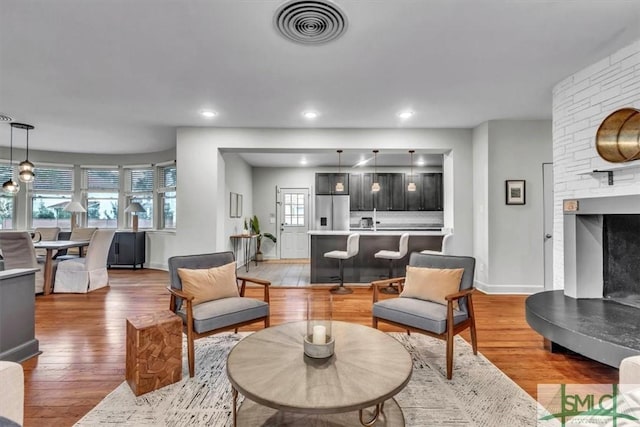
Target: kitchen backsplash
{"x":407,"y":219}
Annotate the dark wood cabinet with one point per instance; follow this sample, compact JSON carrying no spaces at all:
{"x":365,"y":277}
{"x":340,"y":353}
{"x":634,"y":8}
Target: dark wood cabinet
{"x":432,"y":191}
{"x":361,"y":198}
{"x":428,"y":194}
{"x":326,"y":183}
{"x":127,"y":248}
{"x":391,"y":194}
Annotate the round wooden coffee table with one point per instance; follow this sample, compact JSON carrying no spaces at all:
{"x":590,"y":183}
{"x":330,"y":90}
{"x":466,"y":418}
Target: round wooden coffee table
{"x":286,"y":387}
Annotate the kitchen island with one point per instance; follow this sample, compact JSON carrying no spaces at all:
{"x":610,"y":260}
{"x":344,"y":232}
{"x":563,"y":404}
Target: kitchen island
{"x":364,"y":267}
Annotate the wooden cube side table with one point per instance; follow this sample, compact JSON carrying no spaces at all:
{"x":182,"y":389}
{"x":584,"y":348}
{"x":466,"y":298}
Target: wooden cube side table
{"x":154,"y":351}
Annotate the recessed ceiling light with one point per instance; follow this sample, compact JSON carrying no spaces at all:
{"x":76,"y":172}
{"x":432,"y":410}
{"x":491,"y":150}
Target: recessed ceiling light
{"x":310,"y":114}
{"x":303,"y":161}
{"x":405,"y":114}
{"x":420,"y":162}
{"x":208,"y":113}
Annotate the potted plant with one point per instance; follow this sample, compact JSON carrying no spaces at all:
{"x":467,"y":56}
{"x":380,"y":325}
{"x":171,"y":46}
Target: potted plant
{"x":255,"y":229}
{"x":245,"y":228}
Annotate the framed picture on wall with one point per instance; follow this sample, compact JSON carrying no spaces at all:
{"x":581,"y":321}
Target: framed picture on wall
{"x":239,"y":206}
{"x":233,"y":205}
{"x":515,"y":192}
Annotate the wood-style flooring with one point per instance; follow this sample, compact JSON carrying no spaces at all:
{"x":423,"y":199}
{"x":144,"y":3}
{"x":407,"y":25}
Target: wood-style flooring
{"x":82,"y":338}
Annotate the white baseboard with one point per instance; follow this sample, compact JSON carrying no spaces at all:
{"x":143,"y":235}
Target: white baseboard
{"x":507,"y":289}
{"x":156,"y":266}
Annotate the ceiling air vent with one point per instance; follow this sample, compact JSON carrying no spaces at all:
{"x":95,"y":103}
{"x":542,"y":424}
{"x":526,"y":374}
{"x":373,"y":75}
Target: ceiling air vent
{"x":5,"y":118}
{"x":310,"y":22}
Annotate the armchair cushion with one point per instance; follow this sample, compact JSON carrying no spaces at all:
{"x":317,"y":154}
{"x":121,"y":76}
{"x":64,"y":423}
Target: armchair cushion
{"x":211,"y":283}
{"x":223,"y":312}
{"x":432,"y":284}
{"x":419,"y":314}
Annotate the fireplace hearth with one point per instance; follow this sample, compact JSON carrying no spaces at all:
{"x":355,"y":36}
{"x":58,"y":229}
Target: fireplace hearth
{"x":598,"y":313}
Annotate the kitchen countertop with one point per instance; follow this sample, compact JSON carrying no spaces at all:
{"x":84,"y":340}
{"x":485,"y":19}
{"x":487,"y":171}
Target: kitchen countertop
{"x":379,"y":232}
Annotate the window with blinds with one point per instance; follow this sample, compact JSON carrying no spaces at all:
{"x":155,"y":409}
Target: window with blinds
{"x":139,"y":187}
{"x":7,"y":205}
{"x":101,"y":187}
{"x":51,"y":191}
{"x":167,"y":182}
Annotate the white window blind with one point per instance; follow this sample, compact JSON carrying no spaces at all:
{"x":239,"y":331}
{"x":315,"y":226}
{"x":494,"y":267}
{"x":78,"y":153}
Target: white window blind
{"x":5,"y":172}
{"x":168,"y":177}
{"x":139,"y":180}
{"x":53,"y":179}
{"x":101,"y":179}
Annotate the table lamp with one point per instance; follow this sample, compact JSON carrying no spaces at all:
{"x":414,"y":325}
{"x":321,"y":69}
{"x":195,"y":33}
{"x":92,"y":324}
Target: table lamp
{"x":74,"y":207}
{"x":134,"y":208}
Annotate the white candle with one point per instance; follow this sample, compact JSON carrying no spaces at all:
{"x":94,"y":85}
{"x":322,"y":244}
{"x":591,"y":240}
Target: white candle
{"x":319,"y":334}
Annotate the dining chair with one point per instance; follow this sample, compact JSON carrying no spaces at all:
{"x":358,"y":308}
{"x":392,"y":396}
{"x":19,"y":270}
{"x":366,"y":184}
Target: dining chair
{"x":18,"y":252}
{"x":81,"y":275}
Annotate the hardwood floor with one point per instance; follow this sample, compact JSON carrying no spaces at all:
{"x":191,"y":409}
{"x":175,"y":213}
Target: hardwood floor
{"x":82,"y":338}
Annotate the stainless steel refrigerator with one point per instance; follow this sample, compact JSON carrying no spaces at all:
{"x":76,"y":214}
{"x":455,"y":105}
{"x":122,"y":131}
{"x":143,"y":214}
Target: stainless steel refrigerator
{"x":332,"y":213}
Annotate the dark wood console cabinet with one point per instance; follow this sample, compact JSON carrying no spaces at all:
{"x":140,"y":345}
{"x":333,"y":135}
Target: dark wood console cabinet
{"x":127,"y":248}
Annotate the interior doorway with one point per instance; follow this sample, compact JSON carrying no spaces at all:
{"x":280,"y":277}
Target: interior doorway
{"x":294,"y":223}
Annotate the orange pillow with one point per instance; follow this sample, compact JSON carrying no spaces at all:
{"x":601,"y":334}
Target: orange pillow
{"x":432,"y":284}
{"x":210,"y":283}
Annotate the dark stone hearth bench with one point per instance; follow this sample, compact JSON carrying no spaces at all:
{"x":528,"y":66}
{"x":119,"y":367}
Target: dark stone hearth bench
{"x":599,"y":329}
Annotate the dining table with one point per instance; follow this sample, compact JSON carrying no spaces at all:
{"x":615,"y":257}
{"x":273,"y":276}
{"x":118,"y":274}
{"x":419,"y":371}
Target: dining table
{"x":54,"y":245}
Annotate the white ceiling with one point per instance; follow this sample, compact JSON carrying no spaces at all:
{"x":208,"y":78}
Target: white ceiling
{"x":118,"y":76}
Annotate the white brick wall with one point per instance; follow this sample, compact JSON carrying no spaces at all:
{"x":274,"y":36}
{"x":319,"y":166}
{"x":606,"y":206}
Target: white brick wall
{"x":580,"y":103}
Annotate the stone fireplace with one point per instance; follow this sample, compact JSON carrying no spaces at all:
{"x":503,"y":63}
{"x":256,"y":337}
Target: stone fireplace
{"x":602,"y":249}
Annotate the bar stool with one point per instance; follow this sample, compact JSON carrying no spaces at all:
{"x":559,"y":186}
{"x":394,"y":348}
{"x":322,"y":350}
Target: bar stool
{"x":353,"y":246}
{"x":445,"y":249}
{"x":391,"y":256}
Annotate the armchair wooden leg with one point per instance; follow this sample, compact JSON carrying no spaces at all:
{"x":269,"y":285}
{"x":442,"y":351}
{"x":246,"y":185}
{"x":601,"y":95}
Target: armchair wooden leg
{"x":408,"y":332}
{"x":472,"y":327}
{"x":235,"y":331}
{"x":190,"y":352}
{"x":374,"y":322}
{"x":449,"y":355}
{"x":267,"y":322}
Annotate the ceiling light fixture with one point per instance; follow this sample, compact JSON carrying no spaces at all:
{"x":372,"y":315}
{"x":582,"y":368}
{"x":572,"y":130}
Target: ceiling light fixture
{"x":11,"y":187}
{"x":208,"y":114}
{"x":420,"y":162}
{"x":375,"y":187}
{"x":339,"y":184}
{"x":310,"y":114}
{"x":412,"y":184}
{"x":303,"y":161}
{"x":404,"y":115}
{"x":25,"y":167}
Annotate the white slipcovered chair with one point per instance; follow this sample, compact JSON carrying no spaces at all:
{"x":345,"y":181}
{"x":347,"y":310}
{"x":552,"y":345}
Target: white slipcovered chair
{"x":80,"y":275}
{"x":12,"y":396}
{"x":45,"y":234}
{"x":18,"y":252}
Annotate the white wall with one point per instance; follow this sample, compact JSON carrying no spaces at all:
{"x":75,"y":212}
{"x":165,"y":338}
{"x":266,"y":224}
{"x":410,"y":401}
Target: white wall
{"x":516,"y":150}
{"x":580,"y":104}
{"x":198,"y":147}
{"x":238,"y":179}
{"x":481,"y":202}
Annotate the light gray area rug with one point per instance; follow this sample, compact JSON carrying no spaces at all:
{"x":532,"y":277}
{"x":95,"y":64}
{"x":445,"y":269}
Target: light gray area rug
{"x":478,"y":395}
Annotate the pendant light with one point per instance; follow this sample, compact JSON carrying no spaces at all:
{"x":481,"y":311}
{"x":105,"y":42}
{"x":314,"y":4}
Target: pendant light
{"x":25,"y":167}
{"x":11,"y":187}
{"x":375,"y":187}
{"x":339,"y":184}
{"x":412,"y":184}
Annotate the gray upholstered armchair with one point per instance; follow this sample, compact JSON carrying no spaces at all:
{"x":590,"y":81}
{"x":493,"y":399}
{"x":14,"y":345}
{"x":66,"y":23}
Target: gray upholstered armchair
{"x":218,"y":315}
{"x":432,"y":318}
